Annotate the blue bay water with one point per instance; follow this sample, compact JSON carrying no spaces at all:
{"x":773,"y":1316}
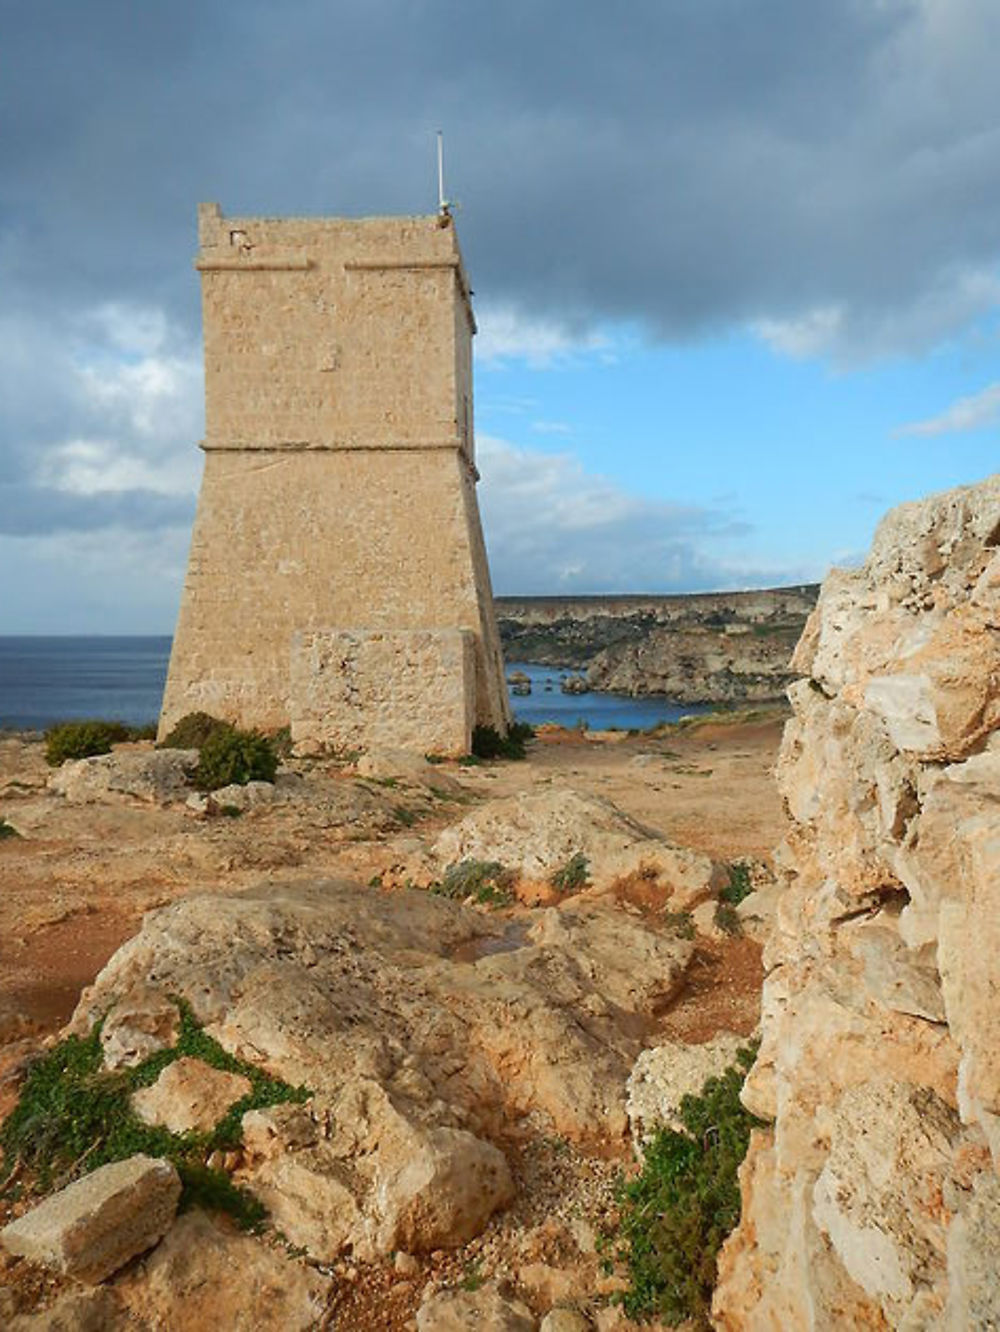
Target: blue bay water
{"x":599,"y":712}
{"x":45,"y":680}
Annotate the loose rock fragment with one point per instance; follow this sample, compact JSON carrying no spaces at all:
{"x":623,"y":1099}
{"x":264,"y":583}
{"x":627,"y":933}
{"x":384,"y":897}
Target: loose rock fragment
{"x":92,"y":1228}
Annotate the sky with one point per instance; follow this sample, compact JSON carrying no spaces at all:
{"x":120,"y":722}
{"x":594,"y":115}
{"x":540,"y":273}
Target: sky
{"x":736,"y":263}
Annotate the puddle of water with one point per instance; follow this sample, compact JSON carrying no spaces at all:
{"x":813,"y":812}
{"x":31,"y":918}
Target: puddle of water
{"x":514,"y":936}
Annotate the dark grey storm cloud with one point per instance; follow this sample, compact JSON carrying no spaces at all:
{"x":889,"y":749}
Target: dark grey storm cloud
{"x":687,"y":165}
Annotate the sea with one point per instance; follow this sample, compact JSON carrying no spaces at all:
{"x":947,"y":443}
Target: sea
{"x":47,"y":680}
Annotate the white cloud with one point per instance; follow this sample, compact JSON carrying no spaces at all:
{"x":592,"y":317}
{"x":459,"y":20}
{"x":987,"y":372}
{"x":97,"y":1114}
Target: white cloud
{"x":115,"y":406}
{"x":96,"y":466}
{"x":553,"y":527}
{"x":969,"y":413}
{"x":507,"y":334}
{"x":814,"y":333}
{"x":852,"y":337}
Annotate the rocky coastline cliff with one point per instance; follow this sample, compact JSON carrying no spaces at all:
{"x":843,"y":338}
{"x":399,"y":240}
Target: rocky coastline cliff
{"x":716,"y":647}
{"x":872,"y":1199}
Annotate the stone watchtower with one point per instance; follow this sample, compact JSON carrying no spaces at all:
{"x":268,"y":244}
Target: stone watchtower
{"x":337,"y":581}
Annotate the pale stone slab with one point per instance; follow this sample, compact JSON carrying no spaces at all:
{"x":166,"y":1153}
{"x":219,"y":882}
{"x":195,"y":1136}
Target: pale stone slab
{"x":92,"y":1228}
{"x":189,"y":1095}
{"x":157,"y":777}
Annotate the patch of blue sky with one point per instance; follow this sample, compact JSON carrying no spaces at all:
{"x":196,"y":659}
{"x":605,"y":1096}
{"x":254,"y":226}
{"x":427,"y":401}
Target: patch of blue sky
{"x":809,"y":455}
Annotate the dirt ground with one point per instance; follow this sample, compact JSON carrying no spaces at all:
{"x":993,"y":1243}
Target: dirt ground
{"x":75,"y":883}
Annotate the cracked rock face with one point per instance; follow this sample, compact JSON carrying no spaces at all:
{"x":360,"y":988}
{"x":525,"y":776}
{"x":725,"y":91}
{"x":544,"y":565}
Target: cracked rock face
{"x":871,"y":1200}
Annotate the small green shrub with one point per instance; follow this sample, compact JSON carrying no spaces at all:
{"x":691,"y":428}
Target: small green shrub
{"x":739,"y":885}
{"x":83,"y":739}
{"x":472,"y":1275}
{"x":193,"y":730}
{"x":232,"y":756}
{"x":681,"y":922}
{"x":73,"y":1116}
{"x":727,"y":919}
{"x":571,"y":876}
{"x":489,"y":882}
{"x":7,"y":831}
{"x":675,"y":1215}
{"x":488,"y":743}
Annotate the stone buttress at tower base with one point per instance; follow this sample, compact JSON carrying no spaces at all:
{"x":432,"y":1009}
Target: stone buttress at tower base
{"x":337,"y":580}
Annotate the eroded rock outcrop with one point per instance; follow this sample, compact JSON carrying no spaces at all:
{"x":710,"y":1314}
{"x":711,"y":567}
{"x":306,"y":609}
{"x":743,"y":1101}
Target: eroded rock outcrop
{"x":423,"y":1028}
{"x":872,"y":1201}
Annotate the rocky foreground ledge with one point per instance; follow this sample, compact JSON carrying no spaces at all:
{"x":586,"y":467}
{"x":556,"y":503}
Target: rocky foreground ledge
{"x":423,"y":1083}
{"x":873,"y":1200}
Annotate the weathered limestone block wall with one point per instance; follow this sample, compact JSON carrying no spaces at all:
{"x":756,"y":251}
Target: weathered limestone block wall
{"x":873,"y":1199}
{"x":405,"y":689}
{"x":339,"y":485}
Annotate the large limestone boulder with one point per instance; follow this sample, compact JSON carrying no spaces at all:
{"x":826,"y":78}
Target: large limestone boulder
{"x":372,"y":1179}
{"x":94,"y":1226}
{"x":890,"y":1143}
{"x":204,"y":1277}
{"x":465,"y":1022}
{"x":537,"y":832}
{"x":154,"y":776}
{"x":867,"y":1203}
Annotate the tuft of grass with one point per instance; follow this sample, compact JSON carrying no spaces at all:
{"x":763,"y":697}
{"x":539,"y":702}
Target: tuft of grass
{"x":488,"y":743}
{"x":83,"y":739}
{"x":573,"y":875}
{"x":727,"y":919}
{"x":736,"y":889}
{"x":681,"y":922}
{"x":739,"y":885}
{"x":487,"y":881}
{"x":472,"y":1275}
{"x":147,"y":731}
{"x":7,"y":830}
{"x":675,"y":1215}
{"x":214,"y":1191}
{"x":73,"y":1116}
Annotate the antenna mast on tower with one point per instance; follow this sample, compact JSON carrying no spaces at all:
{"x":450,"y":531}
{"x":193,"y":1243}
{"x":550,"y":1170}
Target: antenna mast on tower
{"x":443,"y":205}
